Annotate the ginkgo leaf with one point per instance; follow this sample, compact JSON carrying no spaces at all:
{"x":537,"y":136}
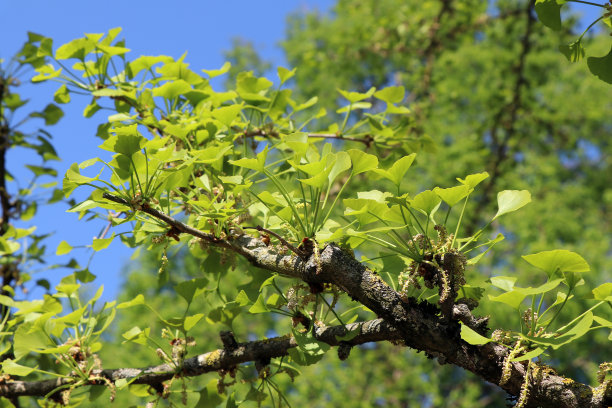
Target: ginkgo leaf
{"x":559,"y":260}
{"x":511,"y":200}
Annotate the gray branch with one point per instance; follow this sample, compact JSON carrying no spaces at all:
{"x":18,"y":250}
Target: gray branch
{"x":226,"y":358}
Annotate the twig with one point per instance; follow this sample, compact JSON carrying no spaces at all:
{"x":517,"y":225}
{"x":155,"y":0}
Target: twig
{"x":369,"y":331}
{"x":175,"y":224}
{"x":281,"y":239}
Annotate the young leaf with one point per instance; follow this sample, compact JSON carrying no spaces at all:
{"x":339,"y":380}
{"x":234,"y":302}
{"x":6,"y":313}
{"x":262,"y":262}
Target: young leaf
{"x":362,"y":162}
{"x":603,"y":292}
{"x":101,"y":243}
{"x":601,"y":67}
{"x":558,"y":260}
{"x":452,"y":195}
{"x":472,"y":337}
{"x":216,"y":72}
{"x":511,"y":200}
{"x":391,"y":94}
{"x":353,"y":97}
{"x":473,"y":179}
{"x":426,"y":201}
{"x":549,"y":13}
{"x":397,"y":171}
{"x":284,"y":74}
{"x":63,"y":248}
{"x":257,"y":164}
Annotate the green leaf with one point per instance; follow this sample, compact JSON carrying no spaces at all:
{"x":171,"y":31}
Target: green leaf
{"x":257,"y":164}
{"x":77,"y":48}
{"x":191,"y":321}
{"x":145,"y":63}
{"x":126,"y":144}
{"x":549,"y":13}
{"x":515,"y":297}
{"x":138,"y":300}
{"x":136,"y":335}
{"x":356,"y":105}
{"x":227,"y":114}
{"x":559,"y":260}
{"x":574,"y":52}
{"x":603,"y":292}
{"x":503,"y":282}
{"x":284,"y":74}
{"x":397,"y":171}
{"x":473,"y":179}
{"x":172,"y":89}
{"x":51,"y":114}
{"x":342,"y":163}
{"x":101,"y":243}
{"x":309,"y":350}
{"x":529,"y":355}
{"x":353,"y":97}
{"x":362,"y":162}
{"x":511,"y":200}
{"x":453,"y":195}
{"x":472,"y":337}
{"x":601,"y":67}
{"x":41,"y":171}
{"x":216,"y":72}
{"x":63,"y":248}
{"x":62,"y":95}
{"x":10,"y":367}
{"x":391,"y":94}
{"x":427,"y":201}
{"x":46,"y":72}
{"x":259,"y":306}
{"x":578,"y":330}
{"x":188,"y":289}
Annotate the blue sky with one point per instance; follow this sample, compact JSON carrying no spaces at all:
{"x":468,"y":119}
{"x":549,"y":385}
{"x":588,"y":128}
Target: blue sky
{"x":203,"y":28}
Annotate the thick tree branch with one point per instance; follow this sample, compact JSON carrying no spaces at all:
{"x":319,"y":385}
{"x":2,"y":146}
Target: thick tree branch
{"x":419,"y":324}
{"x":370,"y":331}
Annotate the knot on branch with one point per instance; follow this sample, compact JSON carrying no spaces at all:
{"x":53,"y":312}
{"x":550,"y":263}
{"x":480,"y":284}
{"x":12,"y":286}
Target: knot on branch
{"x":228,"y":340}
{"x":461,"y":312}
{"x":344,"y":350}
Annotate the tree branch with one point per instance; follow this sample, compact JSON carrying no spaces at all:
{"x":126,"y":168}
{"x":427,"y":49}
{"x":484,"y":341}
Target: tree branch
{"x":370,"y":331}
{"x":418,"y":323}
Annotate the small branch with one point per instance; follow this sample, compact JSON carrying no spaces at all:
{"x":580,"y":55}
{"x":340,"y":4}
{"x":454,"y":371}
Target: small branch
{"x":366,"y":140}
{"x":226,"y":358}
{"x":175,"y":224}
{"x":281,"y":239}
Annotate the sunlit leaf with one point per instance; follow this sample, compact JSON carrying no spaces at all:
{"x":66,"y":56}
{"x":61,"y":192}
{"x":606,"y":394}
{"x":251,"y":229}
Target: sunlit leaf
{"x":426,"y":201}
{"x":559,"y":260}
{"x":391,"y":94}
{"x":473,"y":179}
{"x":472,"y":337}
{"x":284,"y":74}
{"x":452,"y":195}
{"x":511,"y":200}
{"x":362,"y":162}
{"x":63,"y":248}
{"x":357,"y":96}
